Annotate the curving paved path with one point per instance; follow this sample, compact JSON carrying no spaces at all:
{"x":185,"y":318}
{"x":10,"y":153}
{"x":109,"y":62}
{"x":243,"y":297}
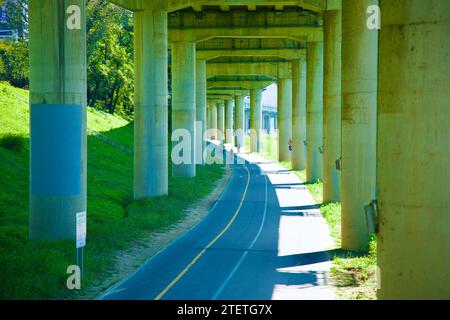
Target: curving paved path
{"x":263,"y":239}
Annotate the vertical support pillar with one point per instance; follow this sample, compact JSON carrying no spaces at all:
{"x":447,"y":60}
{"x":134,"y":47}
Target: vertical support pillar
{"x":299,"y":114}
{"x":151,"y":105}
{"x":359,"y":105}
{"x":229,"y":121}
{"x":220,"y":120}
{"x":214,"y":120}
{"x":413,"y":150}
{"x":184,"y":106}
{"x":201,"y":106}
{"x":255,"y":120}
{"x":57,"y":119}
{"x":314,"y":112}
{"x":239,"y":122}
{"x":332,"y":105}
{"x":284,"y":118}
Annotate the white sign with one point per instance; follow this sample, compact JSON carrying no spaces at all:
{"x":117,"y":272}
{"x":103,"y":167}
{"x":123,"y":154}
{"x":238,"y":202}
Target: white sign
{"x":81,"y":229}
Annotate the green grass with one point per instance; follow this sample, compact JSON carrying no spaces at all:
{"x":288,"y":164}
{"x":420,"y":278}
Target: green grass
{"x":37,"y":269}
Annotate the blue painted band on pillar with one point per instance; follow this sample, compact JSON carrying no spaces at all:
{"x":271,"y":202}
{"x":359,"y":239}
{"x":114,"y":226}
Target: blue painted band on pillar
{"x":55,"y":151}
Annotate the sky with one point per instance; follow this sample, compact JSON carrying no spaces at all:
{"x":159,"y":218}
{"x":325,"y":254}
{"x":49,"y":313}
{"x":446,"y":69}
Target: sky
{"x":269,"y":96}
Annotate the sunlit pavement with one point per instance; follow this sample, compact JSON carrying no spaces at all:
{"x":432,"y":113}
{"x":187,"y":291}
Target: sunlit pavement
{"x":276,"y":246}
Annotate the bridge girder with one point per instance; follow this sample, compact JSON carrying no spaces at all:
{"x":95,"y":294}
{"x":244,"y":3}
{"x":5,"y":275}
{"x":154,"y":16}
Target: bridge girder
{"x":232,"y":91}
{"x":288,"y":54}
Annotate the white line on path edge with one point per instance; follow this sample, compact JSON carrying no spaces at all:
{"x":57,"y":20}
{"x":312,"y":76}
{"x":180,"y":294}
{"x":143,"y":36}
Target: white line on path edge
{"x":244,"y":255}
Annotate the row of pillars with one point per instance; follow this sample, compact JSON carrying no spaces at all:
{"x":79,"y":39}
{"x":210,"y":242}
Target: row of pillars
{"x":392,"y":94}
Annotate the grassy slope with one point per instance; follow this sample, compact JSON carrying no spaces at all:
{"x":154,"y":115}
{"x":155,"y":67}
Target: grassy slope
{"x":34,"y":270}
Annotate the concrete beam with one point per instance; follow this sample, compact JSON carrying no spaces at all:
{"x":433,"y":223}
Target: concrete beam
{"x":58,"y":158}
{"x":231,"y":92}
{"x":332,"y":105}
{"x":240,"y":84}
{"x":255,"y":120}
{"x":273,"y":70}
{"x":298,"y":33}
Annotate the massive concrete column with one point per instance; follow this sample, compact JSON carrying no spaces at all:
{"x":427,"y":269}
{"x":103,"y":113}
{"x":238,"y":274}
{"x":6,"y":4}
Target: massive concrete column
{"x":57,"y":119}
{"x":208,"y":117}
{"x":151,"y":106}
{"x":299,"y":115}
{"x":214,"y":120}
{"x":332,"y":105}
{"x":284,"y":118}
{"x":201,"y":106}
{"x":239,"y":122}
{"x":413,"y":150}
{"x":183,"y":107}
{"x":229,"y":121}
{"x":314,"y":112}
{"x":359,"y":104}
{"x":221,"y":120}
{"x":255,"y":120}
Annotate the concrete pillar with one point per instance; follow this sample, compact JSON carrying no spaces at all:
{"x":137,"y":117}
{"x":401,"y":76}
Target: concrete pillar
{"x":299,"y":115}
{"x":201,"y":106}
{"x":314,"y":112}
{"x":255,"y":120}
{"x":359,"y":104}
{"x":57,"y":120}
{"x":332,"y":105}
{"x":271,"y":125}
{"x":221,"y":120}
{"x":239,"y":124}
{"x":184,"y":105}
{"x":151,"y":105}
{"x":414,"y":150}
{"x":229,"y":135}
{"x":214,"y":120}
{"x":284,"y":118}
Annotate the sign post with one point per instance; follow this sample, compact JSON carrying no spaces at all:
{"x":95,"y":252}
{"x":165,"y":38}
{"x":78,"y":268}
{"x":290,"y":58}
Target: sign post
{"x":81,"y":237}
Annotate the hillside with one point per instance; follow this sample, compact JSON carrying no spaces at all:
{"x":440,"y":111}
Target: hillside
{"x":37,"y":270}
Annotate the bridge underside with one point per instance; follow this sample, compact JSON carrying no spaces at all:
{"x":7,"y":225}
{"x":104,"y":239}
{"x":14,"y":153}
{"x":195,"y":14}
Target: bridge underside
{"x":366,"y":112}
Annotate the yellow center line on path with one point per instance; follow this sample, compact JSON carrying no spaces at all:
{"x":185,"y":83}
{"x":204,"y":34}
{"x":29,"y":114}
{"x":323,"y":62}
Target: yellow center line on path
{"x":182,"y":273}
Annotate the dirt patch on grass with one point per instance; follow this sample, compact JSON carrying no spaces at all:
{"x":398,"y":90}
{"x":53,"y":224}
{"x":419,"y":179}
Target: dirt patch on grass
{"x":127,"y":261}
